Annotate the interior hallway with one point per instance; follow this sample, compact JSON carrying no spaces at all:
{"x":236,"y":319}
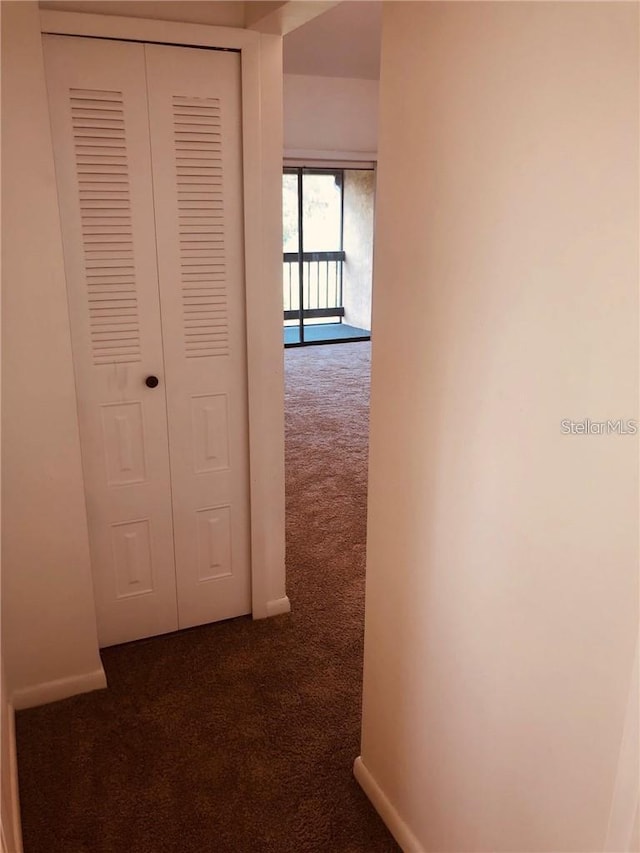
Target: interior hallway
{"x":238,"y":736}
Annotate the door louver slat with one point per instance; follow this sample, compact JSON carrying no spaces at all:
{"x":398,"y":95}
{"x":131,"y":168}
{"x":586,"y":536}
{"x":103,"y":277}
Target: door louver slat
{"x":198,"y":164}
{"x":102,"y":173}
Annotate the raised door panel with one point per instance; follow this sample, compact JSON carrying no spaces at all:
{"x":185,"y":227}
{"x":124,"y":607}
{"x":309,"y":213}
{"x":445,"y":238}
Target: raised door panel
{"x":99,"y":115}
{"x":195,"y":122}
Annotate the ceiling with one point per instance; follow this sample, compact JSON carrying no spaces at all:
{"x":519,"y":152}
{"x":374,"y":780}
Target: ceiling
{"x":343,"y":42}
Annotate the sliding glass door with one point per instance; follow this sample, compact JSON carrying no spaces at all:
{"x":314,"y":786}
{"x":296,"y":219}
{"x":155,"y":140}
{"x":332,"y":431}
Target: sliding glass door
{"x":314,"y":257}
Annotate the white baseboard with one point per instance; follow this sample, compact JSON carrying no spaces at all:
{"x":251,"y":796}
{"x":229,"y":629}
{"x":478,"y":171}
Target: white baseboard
{"x":278,"y":606}
{"x":15,"y":791}
{"x":11,"y":832}
{"x":381,"y":803}
{"x":626,"y":794}
{"x":61,"y":688}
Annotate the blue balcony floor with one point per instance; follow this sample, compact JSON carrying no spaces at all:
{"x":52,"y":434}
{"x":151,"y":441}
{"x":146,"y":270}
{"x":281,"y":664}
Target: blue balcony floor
{"x":323,"y":332}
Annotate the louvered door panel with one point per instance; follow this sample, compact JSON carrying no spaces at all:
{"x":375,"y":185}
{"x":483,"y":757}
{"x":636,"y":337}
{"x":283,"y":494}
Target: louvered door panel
{"x":102,"y":170}
{"x":199,"y":193}
{"x":99,"y":116}
{"x":195,"y":122}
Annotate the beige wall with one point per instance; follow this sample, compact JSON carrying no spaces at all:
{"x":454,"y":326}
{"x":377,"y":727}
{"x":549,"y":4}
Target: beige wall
{"x":330,"y":114}
{"x":357,"y":270}
{"x":49,"y":631}
{"x":502,"y":577}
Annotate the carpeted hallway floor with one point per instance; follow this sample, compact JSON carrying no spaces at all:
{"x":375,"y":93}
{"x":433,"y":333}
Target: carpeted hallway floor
{"x":238,"y":736}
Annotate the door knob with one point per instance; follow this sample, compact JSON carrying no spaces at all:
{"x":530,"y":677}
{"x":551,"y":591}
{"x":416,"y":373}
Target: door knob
{"x":151,"y":381}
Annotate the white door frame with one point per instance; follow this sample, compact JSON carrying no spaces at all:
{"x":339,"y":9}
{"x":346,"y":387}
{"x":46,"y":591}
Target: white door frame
{"x":263,"y":297}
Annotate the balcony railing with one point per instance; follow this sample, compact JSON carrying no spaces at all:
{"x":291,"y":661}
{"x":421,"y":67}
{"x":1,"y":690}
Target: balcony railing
{"x":322,"y":285}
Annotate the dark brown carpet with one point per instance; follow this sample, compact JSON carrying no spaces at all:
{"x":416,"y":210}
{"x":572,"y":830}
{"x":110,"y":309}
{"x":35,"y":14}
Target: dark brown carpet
{"x":238,"y":736}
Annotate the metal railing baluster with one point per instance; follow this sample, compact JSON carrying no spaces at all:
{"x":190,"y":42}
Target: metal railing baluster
{"x":326,"y":269}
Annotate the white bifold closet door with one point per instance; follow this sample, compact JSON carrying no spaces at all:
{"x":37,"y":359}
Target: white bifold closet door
{"x":147,"y":144}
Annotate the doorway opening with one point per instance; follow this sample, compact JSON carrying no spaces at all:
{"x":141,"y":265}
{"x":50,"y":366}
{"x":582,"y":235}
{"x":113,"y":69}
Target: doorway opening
{"x":327,"y":254}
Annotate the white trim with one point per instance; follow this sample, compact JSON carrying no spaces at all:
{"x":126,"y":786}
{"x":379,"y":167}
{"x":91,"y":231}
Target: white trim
{"x":145,"y":29}
{"x":381,"y":803}
{"x":14,"y":791}
{"x":626,"y":792}
{"x":264,"y":535}
{"x":61,"y":688}
{"x":313,"y":156}
{"x":252,"y":174}
{"x":328,"y":164}
{"x":278,"y":606}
